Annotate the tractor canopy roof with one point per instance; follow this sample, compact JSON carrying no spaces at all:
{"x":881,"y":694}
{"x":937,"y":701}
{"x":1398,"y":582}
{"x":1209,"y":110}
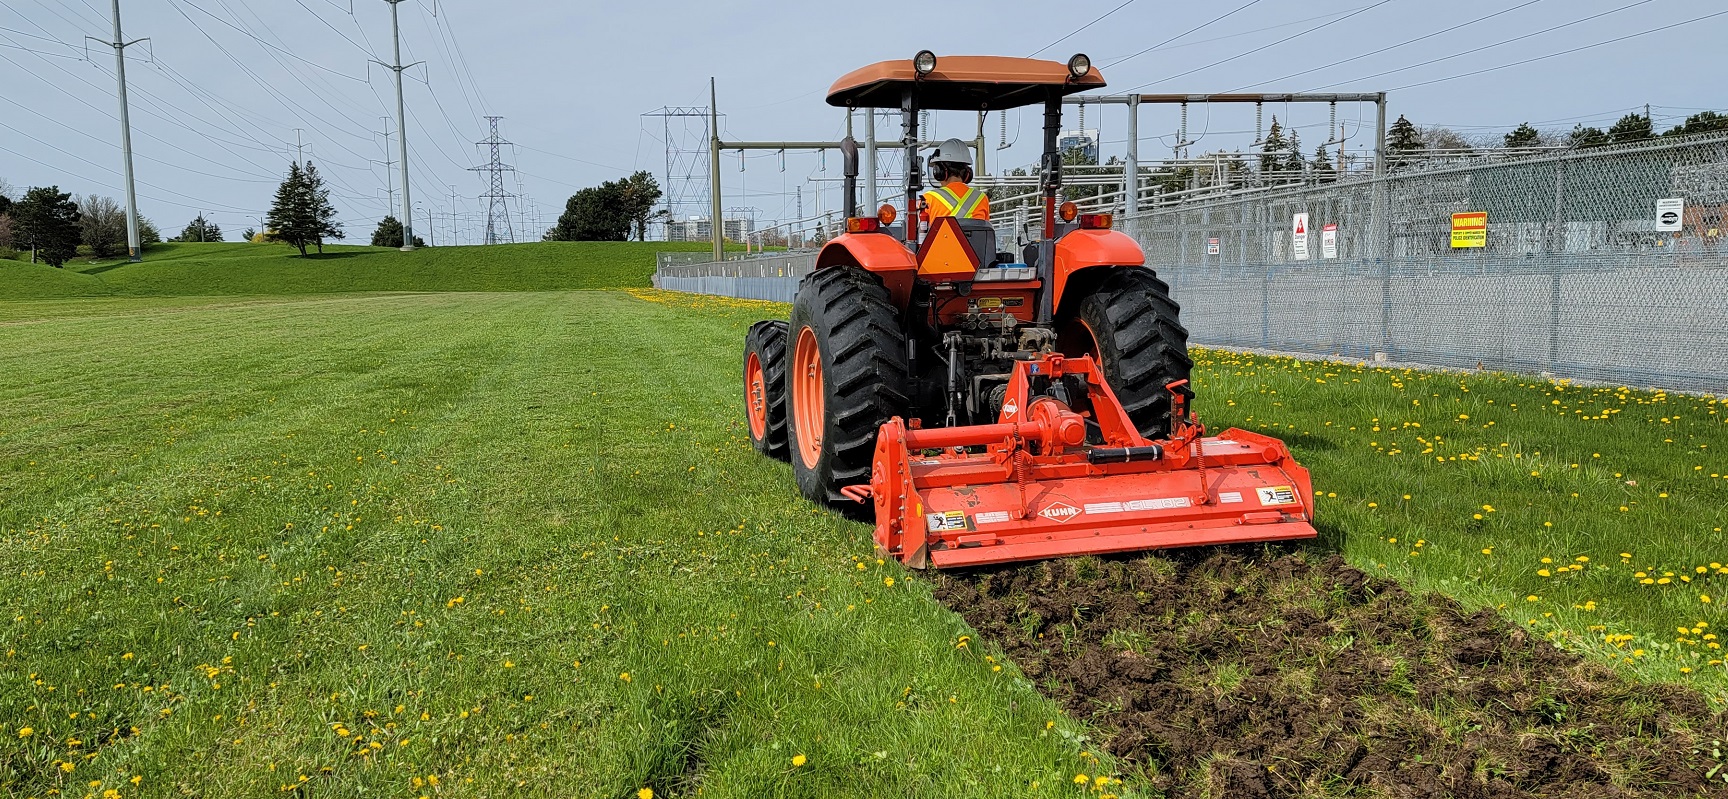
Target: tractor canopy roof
{"x":961,"y":83}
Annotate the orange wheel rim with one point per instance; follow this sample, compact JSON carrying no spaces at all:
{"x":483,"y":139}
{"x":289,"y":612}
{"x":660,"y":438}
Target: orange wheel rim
{"x":756,"y":397}
{"x":1090,"y":344}
{"x":807,"y":400}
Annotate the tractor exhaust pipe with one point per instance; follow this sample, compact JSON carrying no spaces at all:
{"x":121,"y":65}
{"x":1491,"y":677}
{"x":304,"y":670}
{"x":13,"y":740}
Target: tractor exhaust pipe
{"x":849,"y":164}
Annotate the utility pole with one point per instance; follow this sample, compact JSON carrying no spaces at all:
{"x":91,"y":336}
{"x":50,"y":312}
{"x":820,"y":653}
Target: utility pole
{"x":714,"y":212}
{"x":401,"y":123}
{"x":387,"y":162}
{"x":299,"y":149}
{"x":120,"y":44}
{"x":496,"y":207}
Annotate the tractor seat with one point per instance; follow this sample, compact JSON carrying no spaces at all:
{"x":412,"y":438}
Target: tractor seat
{"x":981,"y":235}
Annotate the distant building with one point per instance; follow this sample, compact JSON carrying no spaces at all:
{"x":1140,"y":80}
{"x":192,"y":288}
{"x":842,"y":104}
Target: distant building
{"x":699,"y":229}
{"x":1086,"y":141}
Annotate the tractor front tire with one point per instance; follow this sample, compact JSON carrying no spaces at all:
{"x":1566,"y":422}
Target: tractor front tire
{"x":1134,"y":329}
{"x":765,"y":387}
{"x":846,"y":375}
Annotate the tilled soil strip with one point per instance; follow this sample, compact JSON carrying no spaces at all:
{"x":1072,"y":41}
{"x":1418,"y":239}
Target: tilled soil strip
{"x":1249,"y":673}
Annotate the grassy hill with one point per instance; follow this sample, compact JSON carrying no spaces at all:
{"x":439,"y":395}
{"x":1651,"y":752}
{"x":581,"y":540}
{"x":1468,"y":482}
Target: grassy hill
{"x":236,"y":269}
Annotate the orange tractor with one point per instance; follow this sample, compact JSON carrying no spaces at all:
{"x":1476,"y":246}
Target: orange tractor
{"x":994,"y":408}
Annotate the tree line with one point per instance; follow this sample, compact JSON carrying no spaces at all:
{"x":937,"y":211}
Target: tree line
{"x":611,"y":211}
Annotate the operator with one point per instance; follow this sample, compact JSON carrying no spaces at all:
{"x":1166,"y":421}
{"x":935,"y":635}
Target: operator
{"x":951,"y":166}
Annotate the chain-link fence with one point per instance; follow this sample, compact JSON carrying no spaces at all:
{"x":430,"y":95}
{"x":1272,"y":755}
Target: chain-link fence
{"x":1575,"y":272}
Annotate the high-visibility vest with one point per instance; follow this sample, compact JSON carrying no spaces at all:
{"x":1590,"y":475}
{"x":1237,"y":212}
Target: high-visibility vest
{"x":958,"y":200}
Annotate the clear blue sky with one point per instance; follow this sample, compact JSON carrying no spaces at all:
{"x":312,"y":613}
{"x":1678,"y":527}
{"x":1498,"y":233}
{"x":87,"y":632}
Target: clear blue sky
{"x":222,"y":85}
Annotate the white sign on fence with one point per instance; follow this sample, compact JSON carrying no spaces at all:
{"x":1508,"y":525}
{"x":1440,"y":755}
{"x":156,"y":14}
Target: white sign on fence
{"x":1329,"y":241}
{"x":1670,"y":213}
{"x":1299,"y":237}
{"x":1212,"y":246}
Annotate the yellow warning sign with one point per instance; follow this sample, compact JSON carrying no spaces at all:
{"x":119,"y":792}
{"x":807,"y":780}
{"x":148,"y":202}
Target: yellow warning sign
{"x":1470,"y":230}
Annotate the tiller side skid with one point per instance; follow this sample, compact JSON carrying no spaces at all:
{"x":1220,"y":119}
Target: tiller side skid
{"x":1031,"y":486}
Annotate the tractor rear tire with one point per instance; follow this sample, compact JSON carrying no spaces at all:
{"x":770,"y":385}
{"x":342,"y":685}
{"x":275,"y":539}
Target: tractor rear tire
{"x":846,"y":375}
{"x":1134,"y":329}
{"x":765,"y":387}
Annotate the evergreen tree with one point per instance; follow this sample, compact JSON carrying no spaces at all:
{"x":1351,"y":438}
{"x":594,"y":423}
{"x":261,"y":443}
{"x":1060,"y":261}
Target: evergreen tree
{"x":1403,"y":140}
{"x":640,"y":192}
{"x":323,"y":214}
{"x":389,"y":234}
{"x":1630,"y":128}
{"x":200,"y":229}
{"x":1702,"y":122}
{"x":47,"y":221}
{"x":1586,"y":137}
{"x":248,"y":234}
{"x":301,"y":213}
{"x":1523,"y":137}
{"x":1294,"y":163}
{"x":1272,"y":151}
{"x":288,"y":220}
{"x":1322,"y":166}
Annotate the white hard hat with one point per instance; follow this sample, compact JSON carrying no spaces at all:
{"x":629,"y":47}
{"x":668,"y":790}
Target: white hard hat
{"x":952,"y":151}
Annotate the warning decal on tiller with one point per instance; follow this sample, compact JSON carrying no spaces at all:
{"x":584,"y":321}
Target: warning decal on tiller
{"x":946,"y":521}
{"x":1278,"y":495}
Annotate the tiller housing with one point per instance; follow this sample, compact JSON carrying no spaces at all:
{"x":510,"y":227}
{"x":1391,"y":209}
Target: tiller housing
{"x":1030,"y":486}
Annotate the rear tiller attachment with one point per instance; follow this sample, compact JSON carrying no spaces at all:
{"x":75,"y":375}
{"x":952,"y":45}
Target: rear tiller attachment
{"x":1064,"y":472}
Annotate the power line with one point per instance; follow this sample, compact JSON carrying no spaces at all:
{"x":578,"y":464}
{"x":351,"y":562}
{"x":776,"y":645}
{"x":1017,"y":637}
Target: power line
{"x":1570,"y":51}
{"x":1072,"y":33}
{"x":1392,"y":47}
{"x":1207,"y":23}
{"x":1247,"y":53}
{"x":1472,"y":51}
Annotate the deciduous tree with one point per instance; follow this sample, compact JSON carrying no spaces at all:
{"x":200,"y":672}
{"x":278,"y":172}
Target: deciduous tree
{"x":597,"y":213}
{"x":101,"y":225}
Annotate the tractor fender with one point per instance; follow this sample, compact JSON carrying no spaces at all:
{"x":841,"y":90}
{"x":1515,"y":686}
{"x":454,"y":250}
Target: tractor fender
{"x":878,"y":253}
{"x":1082,"y":258}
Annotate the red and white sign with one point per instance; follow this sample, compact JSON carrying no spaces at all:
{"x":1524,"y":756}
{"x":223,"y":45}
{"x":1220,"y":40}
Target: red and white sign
{"x":1299,"y":237}
{"x":1329,"y":241}
{"x":1212,"y":246}
{"x":1059,"y":512}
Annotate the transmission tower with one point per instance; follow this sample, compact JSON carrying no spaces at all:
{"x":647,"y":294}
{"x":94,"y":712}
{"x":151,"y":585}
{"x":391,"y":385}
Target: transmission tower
{"x":685,"y":181}
{"x":497,"y":206}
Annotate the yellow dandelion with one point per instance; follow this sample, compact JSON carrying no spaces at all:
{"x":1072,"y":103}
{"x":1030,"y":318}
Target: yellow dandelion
{"x":798,"y":760}
{"x":1532,"y":598}
{"x":645,"y":793}
{"x":26,"y":732}
{"x":1081,"y":779}
{"x":625,"y":676}
{"x":888,"y":581}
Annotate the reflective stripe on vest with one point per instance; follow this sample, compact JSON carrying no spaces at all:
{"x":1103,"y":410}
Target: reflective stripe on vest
{"x":961,"y":206}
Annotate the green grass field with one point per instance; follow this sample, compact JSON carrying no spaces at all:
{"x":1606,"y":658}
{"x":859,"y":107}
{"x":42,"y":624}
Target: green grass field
{"x":233,"y":268}
{"x":488,"y":543}
{"x":1594,"y":515}
{"x":504,"y":542}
